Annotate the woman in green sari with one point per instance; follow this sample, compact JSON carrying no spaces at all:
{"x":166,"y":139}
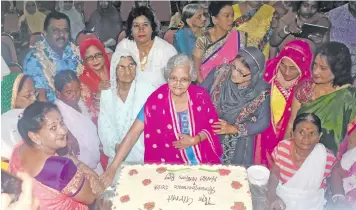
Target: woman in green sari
{"x":328,"y":94}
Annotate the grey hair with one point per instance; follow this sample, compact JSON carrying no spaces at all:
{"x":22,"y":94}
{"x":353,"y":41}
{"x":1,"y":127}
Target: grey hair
{"x":180,"y":60}
{"x":189,"y":11}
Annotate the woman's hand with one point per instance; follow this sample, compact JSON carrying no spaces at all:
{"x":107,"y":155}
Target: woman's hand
{"x":26,"y":200}
{"x":222,"y":127}
{"x":107,"y":177}
{"x":293,"y":28}
{"x":104,"y":85}
{"x":73,"y":145}
{"x":186,"y":141}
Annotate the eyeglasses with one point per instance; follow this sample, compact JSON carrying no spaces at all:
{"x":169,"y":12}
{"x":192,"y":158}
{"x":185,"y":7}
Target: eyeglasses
{"x":96,"y":56}
{"x":30,"y":95}
{"x":175,"y":80}
{"x":240,"y":71}
{"x":58,"y":31}
{"x":122,"y":68}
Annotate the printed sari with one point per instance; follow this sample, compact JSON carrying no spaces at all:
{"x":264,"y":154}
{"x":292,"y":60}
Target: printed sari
{"x":299,"y":53}
{"x":216,"y":53}
{"x":90,"y":80}
{"x":162,"y":128}
{"x":348,"y":163}
{"x":55,"y":193}
{"x":335,"y":110}
{"x":257,"y":24}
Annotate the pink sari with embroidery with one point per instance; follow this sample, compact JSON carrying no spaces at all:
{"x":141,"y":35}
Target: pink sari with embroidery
{"x":162,"y":127}
{"x":299,"y":52}
{"x":49,"y":198}
{"x":224,"y":53}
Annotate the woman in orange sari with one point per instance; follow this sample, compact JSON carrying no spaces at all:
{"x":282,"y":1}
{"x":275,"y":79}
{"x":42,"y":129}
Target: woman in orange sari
{"x":283,"y":73}
{"x":96,"y":76}
{"x":60,"y":180}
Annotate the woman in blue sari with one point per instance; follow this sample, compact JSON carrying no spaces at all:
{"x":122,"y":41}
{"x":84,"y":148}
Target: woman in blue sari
{"x":193,"y":21}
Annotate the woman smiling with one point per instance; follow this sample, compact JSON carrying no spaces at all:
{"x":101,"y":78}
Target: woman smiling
{"x":176,"y":121}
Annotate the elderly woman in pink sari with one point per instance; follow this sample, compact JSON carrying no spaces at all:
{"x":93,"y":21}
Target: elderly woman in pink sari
{"x":219,"y":44}
{"x":283,"y":73}
{"x":343,"y":177}
{"x":177,"y":123}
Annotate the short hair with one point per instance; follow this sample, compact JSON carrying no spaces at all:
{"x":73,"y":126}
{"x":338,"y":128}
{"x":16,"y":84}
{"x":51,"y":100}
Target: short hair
{"x":33,"y":118}
{"x":57,"y":16}
{"x":63,"y":78}
{"x":310,"y":117}
{"x":139,"y":11}
{"x":296,"y":5}
{"x":339,"y":61}
{"x":180,"y":60}
{"x":188,"y":11}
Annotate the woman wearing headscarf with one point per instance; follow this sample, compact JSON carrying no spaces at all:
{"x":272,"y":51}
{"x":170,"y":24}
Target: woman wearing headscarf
{"x":283,"y":73}
{"x":96,"y":75}
{"x":32,"y":17}
{"x":76,"y":19}
{"x":106,"y":23}
{"x":17,"y":93}
{"x":241,"y":97}
{"x":120,"y":105}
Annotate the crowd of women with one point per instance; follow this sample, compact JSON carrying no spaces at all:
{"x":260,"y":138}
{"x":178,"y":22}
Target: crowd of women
{"x":246,"y":90}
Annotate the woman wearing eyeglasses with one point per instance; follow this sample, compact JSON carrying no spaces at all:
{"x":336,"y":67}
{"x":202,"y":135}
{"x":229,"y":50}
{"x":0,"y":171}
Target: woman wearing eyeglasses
{"x":17,"y":93}
{"x":120,"y":105}
{"x":241,"y":97}
{"x":175,"y":121}
{"x":96,"y":76}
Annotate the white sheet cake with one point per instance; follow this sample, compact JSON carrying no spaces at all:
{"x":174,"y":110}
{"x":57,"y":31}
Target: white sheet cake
{"x":180,"y":187}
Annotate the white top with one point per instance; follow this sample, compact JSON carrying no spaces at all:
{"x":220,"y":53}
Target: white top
{"x":158,"y":57}
{"x":84,"y":130}
{"x":10,"y":136}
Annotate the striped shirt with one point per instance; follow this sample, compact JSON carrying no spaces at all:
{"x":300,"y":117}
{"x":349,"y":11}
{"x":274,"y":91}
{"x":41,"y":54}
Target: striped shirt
{"x":282,"y":156}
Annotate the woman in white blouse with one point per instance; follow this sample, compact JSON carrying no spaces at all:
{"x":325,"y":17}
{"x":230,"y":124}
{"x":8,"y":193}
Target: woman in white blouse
{"x":142,"y":41}
{"x":120,"y":105}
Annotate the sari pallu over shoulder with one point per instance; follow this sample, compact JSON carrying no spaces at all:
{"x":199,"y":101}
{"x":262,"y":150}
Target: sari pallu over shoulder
{"x":222,"y":51}
{"x":335,"y":110}
{"x":48,"y":197}
{"x":297,"y":51}
{"x":162,"y":127}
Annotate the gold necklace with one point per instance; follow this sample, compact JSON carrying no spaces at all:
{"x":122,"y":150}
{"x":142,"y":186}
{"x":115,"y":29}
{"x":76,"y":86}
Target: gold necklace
{"x":144,"y":56}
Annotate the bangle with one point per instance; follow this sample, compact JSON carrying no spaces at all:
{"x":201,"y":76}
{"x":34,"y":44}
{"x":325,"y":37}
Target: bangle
{"x":337,"y":197}
{"x":285,"y":31}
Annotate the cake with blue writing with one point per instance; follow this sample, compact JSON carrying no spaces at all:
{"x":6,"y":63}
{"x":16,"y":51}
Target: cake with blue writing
{"x":180,"y":187}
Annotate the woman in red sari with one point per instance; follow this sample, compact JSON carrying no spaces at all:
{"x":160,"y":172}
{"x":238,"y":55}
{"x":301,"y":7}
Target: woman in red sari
{"x":96,"y":76}
{"x":283,"y":73}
